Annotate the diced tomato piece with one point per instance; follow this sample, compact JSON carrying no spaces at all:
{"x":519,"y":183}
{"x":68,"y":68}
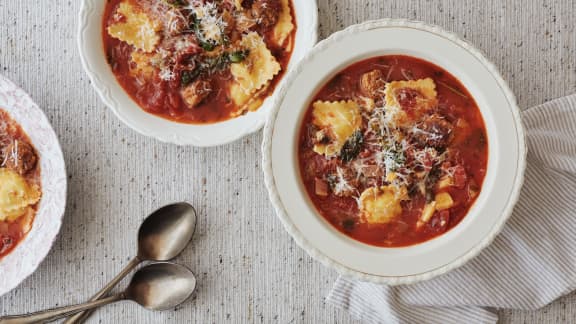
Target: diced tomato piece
{"x":321,"y":187}
{"x":440,"y":220}
{"x":365,"y":153}
{"x":460,"y":177}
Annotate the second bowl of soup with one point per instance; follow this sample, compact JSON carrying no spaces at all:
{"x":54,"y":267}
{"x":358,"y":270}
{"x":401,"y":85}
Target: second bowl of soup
{"x":395,"y":152}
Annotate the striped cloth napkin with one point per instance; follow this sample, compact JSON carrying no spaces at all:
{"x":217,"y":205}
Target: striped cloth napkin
{"x":530,"y":264}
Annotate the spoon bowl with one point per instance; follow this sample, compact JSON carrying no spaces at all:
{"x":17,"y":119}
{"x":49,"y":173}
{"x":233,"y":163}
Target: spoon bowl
{"x":158,"y":286}
{"x":166,"y":232}
{"x":161,"y":286}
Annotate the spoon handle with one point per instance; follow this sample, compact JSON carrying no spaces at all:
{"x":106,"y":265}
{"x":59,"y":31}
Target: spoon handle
{"x":82,"y":316}
{"x":56,"y":313}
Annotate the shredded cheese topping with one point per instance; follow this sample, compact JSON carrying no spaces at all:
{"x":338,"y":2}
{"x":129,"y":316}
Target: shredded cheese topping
{"x":211,"y":22}
{"x":394,"y":159}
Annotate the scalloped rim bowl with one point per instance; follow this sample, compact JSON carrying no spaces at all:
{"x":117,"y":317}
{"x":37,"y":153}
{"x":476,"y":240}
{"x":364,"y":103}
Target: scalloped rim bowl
{"x":505,"y":171}
{"x":28,"y":254}
{"x":113,"y":95}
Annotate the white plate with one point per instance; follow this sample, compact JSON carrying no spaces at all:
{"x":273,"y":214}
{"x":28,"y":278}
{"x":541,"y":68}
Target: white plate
{"x":28,"y":254}
{"x":505,"y":165}
{"x":94,"y":61}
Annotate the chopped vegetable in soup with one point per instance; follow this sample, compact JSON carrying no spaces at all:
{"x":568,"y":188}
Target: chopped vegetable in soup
{"x":199,"y":61}
{"x":393,"y":151}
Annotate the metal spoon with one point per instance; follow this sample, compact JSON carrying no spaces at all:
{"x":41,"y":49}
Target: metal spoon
{"x":162,"y":236}
{"x":158,"y":286}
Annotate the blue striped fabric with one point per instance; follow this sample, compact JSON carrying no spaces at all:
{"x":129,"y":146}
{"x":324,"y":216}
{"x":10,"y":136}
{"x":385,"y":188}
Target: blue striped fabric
{"x":530,"y":264}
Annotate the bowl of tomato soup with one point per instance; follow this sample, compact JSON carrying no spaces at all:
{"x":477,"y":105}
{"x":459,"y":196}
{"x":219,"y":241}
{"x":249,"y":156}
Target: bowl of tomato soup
{"x":192,"y":72}
{"x":400,"y":159}
{"x":32,"y":186}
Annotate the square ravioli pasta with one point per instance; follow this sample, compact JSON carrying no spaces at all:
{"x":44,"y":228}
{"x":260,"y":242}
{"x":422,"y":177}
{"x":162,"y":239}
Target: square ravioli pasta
{"x":135,"y":28}
{"x":16,"y":195}
{"x":253,"y":73}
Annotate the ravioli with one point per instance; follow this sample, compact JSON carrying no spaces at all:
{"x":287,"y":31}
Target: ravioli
{"x":136,"y":29}
{"x":142,"y":64}
{"x":414,"y":97}
{"x":16,"y":195}
{"x":251,"y":102}
{"x":244,"y":99}
{"x":255,"y":72}
{"x":380,"y":205}
{"x":337,"y":122}
{"x":284,"y":26}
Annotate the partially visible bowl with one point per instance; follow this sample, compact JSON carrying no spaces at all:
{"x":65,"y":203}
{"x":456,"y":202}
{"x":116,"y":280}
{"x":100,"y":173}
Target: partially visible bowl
{"x":28,"y":254}
{"x":113,"y":95}
{"x":506,"y":162}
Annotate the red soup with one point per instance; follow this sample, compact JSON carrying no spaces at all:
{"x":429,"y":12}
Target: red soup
{"x":393,"y":151}
{"x":199,"y":61}
{"x":19,"y":184}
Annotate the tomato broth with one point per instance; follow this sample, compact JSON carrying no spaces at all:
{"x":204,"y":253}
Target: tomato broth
{"x":413,"y":166}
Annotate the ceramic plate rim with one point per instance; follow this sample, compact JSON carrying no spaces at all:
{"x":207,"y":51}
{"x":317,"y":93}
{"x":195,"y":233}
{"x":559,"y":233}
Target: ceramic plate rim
{"x":33,"y":249}
{"x":276,"y":194}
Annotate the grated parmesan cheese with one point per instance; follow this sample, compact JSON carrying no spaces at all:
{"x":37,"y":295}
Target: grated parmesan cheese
{"x":341,"y":185}
{"x":402,"y":163}
{"x":212,"y":24}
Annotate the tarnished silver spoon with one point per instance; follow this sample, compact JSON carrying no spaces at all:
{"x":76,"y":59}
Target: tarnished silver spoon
{"x":162,"y":236}
{"x":158,"y":286}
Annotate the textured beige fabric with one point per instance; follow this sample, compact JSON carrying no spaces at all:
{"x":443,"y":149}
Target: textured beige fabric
{"x":248,"y":268}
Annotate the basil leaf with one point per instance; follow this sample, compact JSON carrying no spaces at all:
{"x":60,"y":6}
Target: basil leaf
{"x":238,"y":56}
{"x":352,"y":147}
{"x":188,"y":77}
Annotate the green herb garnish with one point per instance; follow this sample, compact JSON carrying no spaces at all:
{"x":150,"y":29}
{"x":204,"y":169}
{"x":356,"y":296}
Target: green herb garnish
{"x":207,"y":46}
{"x":221,"y":62}
{"x":188,"y":77}
{"x":176,"y":3}
{"x":238,"y":56}
{"x":352,"y":147}
{"x":210,"y":65}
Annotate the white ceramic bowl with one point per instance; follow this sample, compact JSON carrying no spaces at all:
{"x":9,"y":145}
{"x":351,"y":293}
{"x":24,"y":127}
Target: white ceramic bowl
{"x":501,"y":186}
{"x":28,"y":254}
{"x":94,"y":61}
